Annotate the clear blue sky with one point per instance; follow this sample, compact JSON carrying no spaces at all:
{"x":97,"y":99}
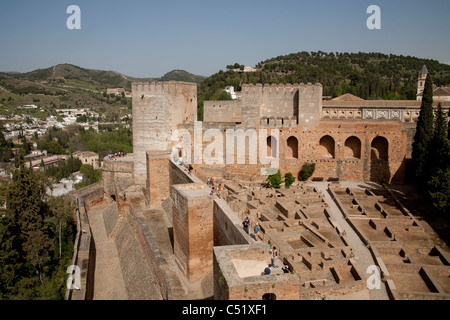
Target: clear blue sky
{"x":146,"y":38}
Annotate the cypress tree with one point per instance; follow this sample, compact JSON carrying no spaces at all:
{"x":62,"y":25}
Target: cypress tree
{"x":424,"y":132}
{"x":438,"y":164}
{"x":25,"y":208}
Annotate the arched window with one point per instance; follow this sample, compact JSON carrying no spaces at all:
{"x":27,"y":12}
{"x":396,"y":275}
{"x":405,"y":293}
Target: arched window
{"x":292,"y":148}
{"x":272,"y":147}
{"x":352,"y":148}
{"x":326,"y":147}
{"x":379,"y":149}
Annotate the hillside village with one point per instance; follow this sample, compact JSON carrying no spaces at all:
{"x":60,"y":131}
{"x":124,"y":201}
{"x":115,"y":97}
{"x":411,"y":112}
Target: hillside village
{"x":26,"y":124}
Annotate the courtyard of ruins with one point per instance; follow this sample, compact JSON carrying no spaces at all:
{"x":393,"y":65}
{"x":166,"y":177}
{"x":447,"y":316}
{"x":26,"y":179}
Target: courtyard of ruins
{"x":152,"y":230}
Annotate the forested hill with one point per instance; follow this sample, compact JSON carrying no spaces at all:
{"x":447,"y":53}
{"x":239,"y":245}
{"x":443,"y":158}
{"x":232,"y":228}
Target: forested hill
{"x":367,"y":75}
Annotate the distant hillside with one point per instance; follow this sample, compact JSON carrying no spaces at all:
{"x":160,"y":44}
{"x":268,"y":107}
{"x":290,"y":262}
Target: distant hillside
{"x":181,"y":75}
{"x":367,"y":75}
{"x":66,"y":85}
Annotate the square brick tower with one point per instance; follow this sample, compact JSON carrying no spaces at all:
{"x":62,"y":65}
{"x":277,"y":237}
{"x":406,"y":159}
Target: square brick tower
{"x":193,"y":229}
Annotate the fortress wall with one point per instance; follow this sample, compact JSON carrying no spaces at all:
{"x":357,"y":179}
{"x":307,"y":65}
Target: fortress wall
{"x":279,"y":101}
{"x":111,"y":217}
{"x":251,"y":104}
{"x":84,"y":246}
{"x":310,"y":104}
{"x":340,"y":149}
{"x":292,"y":101}
{"x":335,"y":158}
{"x":117,"y":175}
{"x":222,"y":111}
{"x":138,"y":276}
{"x":154,"y":257}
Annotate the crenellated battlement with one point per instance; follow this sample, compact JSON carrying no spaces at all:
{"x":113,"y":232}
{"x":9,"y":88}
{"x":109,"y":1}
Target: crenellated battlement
{"x":159,"y":88}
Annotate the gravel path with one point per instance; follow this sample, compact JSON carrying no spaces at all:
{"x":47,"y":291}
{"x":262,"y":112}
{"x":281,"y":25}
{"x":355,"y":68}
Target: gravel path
{"x":362,"y":254}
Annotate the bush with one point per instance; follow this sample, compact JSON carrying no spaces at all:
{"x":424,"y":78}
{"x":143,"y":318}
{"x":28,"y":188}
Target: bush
{"x":288,"y":180}
{"x":307,"y":171}
{"x":275,"y":180}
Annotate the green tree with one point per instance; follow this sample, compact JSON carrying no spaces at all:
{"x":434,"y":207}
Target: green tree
{"x":307,"y":171}
{"x":224,"y":96}
{"x":424,"y":132}
{"x":438,"y":164}
{"x":24,"y":203}
{"x":29,"y":268}
{"x":61,"y":217}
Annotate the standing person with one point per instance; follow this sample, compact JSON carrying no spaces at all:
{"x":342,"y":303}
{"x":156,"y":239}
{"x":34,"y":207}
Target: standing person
{"x":208,"y":182}
{"x":212,"y":191}
{"x":246,"y":223}
{"x":190,"y":168}
{"x":256,"y":229}
{"x":274,"y":257}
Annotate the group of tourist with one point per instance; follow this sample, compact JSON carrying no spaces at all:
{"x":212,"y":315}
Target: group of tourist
{"x":272,"y":250}
{"x":246,"y":224}
{"x":216,"y":190}
{"x":113,"y":156}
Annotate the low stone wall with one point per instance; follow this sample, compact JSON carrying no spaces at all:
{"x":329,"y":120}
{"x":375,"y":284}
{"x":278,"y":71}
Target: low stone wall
{"x":229,"y":285}
{"x":334,"y":290}
{"x":227,"y":227}
{"x":154,"y":258}
{"x":177,"y":176}
{"x":84,"y":246}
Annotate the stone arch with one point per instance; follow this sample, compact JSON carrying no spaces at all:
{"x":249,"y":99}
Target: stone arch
{"x":379,"y":149}
{"x":292,"y":147}
{"x":327,"y":147}
{"x":352,"y":148}
{"x":272,"y":149}
{"x":269,"y":296}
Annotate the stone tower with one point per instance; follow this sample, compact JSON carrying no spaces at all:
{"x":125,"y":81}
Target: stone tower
{"x":159,"y":109}
{"x":421,"y":82}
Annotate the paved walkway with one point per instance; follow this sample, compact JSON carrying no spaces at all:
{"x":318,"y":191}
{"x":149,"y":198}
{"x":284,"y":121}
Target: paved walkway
{"x":363,"y":255}
{"x":109,"y":283}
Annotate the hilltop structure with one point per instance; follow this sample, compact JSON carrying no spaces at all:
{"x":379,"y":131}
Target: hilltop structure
{"x":168,"y":236}
{"x":440,"y":94}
